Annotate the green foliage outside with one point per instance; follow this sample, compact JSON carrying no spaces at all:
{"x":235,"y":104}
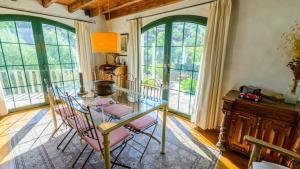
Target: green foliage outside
{"x":188,"y":85}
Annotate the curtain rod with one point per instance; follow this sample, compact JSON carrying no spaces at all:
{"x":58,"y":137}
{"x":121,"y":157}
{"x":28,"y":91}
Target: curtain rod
{"x":57,"y":16}
{"x":146,"y":16}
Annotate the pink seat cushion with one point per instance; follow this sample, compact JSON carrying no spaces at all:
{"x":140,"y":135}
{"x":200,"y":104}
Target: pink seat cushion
{"x":117,"y":110}
{"x":103,"y":101}
{"x":64,"y":111}
{"x":115,"y":137}
{"x":142,"y":123}
{"x":79,"y":123}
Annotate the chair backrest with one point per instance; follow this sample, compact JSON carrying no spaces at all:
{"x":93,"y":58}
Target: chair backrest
{"x":83,"y":119}
{"x":151,"y":89}
{"x":61,"y":103}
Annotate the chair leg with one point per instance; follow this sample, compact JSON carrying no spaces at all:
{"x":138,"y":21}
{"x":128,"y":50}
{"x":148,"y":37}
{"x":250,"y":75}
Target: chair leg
{"x":64,"y":138}
{"x":117,"y":157}
{"x":63,"y":150}
{"x":87,"y":159}
{"x":55,"y":131}
{"x":149,"y":142}
{"x":73,"y":165}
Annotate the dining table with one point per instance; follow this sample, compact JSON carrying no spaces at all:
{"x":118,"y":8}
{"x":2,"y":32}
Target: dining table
{"x":141,"y":105}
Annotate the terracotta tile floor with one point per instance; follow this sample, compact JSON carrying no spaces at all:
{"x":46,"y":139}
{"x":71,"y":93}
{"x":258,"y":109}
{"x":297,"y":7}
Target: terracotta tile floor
{"x":16,"y":121}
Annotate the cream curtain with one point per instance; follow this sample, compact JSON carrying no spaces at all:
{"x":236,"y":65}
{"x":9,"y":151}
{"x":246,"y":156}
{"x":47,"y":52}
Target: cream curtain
{"x":208,"y":99}
{"x":135,"y":27}
{"x":84,"y":50}
{"x":3,"y":108}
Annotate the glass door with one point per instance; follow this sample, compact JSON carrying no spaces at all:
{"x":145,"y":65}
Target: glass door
{"x":172,"y":49}
{"x":19,"y":66}
{"x":33,"y":49}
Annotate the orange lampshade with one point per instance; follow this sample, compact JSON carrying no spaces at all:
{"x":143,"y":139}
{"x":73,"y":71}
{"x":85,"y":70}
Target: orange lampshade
{"x":106,"y":42}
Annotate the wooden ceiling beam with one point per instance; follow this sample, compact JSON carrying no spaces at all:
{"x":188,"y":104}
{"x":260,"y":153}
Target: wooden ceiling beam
{"x":94,"y":12}
{"x":121,"y":6}
{"x":139,"y":7}
{"x":79,"y":4}
{"x":47,"y":3}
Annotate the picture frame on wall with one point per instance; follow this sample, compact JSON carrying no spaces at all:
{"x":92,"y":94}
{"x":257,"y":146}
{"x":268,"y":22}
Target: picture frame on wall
{"x":124,"y":44}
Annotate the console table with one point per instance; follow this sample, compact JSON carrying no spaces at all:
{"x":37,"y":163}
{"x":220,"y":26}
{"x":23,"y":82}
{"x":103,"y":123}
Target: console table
{"x":274,"y":122}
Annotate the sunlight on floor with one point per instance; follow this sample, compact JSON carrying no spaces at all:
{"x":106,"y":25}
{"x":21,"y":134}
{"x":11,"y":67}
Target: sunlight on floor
{"x":184,"y":139}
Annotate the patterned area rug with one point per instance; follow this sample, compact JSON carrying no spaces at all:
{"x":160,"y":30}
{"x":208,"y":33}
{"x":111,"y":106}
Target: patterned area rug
{"x":33,"y":148}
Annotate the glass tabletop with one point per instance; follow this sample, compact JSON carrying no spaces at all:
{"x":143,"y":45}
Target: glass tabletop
{"x":138,"y":104}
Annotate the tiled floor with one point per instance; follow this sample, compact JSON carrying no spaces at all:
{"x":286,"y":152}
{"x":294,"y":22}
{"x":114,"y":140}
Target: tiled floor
{"x":35,"y":128}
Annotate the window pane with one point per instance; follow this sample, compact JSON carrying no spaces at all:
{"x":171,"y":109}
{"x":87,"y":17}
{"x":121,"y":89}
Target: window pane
{"x":72,"y":38}
{"x":159,"y":74}
{"x":33,"y":75}
{"x":62,"y":36}
{"x":52,"y":54}
{"x":176,"y":55}
{"x":12,"y":54}
{"x":74,"y":55}
{"x":150,"y":56}
{"x":151,"y":41}
{"x":198,"y":56}
{"x":173,"y":99}
{"x":177,"y":34}
{"x":67,"y":72}
{"x":21,"y":96}
{"x":174,"y":79}
{"x":144,"y":39}
{"x":36,"y":94}
{"x":9,"y":98}
{"x":76,"y":72}
{"x":201,"y":35}
{"x":160,"y":56}
{"x":190,"y":31}
{"x":186,"y":81}
{"x":64,"y":52}
{"x":49,"y":34}
{"x":160,"y":35}
{"x":55,"y":73}
{"x":188,"y":58}
{"x":184,"y":100}
{"x":8,"y":32}
{"x":4,"y":78}
{"x":2,"y":63}
{"x":17,"y":76}
{"x":29,"y":54}
{"x":25,"y":32}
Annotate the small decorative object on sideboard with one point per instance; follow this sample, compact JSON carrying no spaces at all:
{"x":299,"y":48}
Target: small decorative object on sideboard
{"x":82,"y":89}
{"x":251,"y":93}
{"x":291,"y":47}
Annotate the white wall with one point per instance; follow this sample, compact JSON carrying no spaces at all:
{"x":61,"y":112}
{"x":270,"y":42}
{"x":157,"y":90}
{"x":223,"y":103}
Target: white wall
{"x":253,"y":57}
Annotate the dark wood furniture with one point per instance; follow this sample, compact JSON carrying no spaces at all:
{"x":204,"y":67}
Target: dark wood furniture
{"x":274,"y":122}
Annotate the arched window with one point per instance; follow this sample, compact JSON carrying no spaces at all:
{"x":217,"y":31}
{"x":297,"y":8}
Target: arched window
{"x":32,"y":49}
{"x":172,"y":49}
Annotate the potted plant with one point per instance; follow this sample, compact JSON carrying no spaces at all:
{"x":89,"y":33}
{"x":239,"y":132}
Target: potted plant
{"x":291,"y":47}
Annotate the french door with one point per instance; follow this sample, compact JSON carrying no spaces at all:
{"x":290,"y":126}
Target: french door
{"x":27,"y":56}
{"x":172,"y":49}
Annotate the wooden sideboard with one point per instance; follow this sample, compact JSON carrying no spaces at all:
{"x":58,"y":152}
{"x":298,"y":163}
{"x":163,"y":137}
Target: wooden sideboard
{"x":274,"y":122}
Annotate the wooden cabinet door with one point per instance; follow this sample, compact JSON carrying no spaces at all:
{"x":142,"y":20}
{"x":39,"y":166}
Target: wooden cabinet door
{"x":277,"y":133}
{"x":241,"y":124}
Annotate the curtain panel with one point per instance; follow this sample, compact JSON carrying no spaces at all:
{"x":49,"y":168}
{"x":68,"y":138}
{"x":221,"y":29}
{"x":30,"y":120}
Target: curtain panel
{"x":84,"y":50}
{"x":135,"y":28}
{"x":208,"y":98}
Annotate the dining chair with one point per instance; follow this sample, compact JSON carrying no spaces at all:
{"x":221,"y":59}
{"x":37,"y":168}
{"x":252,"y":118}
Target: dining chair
{"x":150,"y":90}
{"x":87,"y":130}
{"x":58,"y":104}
